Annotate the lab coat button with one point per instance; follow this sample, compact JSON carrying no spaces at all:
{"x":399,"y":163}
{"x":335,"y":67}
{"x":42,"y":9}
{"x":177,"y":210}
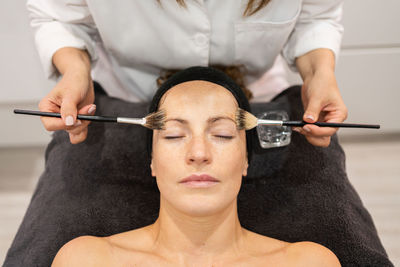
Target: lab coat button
{"x":201,"y":39}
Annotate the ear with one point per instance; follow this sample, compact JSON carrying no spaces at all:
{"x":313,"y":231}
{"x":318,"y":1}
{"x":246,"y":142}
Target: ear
{"x":246,"y":166}
{"x":153,"y":169}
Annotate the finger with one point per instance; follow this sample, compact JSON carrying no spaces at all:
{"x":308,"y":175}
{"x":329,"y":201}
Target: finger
{"x":53,"y":124}
{"x":313,"y":110}
{"x":299,"y":130}
{"x":323,"y":141}
{"x":69,"y":109}
{"x":88,"y":109}
{"x":335,"y":118}
{"x":317,"y":131}
{"x":77,"y":128}
{"x":78,"y":138}
{"x":56,"y":124}
{"x":81,"y":125}
{"x":49,"y":104}
{"x":336,"y":113}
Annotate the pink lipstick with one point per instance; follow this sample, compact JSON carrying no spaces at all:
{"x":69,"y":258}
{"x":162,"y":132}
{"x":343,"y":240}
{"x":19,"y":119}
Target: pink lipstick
{"x":199,"y":181}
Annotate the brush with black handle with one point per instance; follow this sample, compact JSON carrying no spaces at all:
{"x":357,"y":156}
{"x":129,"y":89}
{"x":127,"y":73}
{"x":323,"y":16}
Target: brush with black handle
{"x":246,"y":120}
{"x":154,"y":121}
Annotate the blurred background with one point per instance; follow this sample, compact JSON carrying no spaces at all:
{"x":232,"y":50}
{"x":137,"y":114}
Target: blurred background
{"x":368,"y":74}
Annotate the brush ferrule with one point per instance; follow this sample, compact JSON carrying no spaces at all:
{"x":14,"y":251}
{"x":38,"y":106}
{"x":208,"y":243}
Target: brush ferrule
{"x":269,"y":122}
{"x":141,"y":121}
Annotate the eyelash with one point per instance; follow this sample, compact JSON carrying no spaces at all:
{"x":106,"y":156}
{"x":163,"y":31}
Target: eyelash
{"x":219,"y":136}
{"x":224,"y":137}
{"x":173,"y":137}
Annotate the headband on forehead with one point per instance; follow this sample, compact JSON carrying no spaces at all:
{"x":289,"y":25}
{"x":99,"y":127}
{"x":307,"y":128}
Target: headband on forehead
{"x":204,"y":74}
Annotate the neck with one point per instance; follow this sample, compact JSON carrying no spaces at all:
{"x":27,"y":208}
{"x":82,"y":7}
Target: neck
{"x":188,"y":238}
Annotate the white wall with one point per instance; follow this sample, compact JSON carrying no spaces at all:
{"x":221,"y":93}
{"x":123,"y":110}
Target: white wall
{"x":368,"y":70}
{"x":22,"y":79}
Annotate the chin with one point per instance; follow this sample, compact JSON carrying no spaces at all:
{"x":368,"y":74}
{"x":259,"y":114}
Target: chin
{"x":200,"y":206}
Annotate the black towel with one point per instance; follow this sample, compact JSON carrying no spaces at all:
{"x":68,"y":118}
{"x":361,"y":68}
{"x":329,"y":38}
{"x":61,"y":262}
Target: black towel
{"x":103,"y":186}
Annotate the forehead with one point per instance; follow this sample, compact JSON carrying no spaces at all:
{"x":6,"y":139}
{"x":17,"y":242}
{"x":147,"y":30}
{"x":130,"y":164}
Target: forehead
{"x":194,"y":94}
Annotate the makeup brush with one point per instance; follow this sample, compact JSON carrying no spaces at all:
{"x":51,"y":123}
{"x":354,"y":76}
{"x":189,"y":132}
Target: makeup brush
{"x":246,"y":120}
{"x":154,"y":121}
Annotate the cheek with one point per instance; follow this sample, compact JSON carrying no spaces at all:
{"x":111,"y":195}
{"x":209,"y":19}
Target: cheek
{"x":231,"y":159}
{"x":229,"y":164}
{"x":235,"y":152}
{"x":165,"y":159}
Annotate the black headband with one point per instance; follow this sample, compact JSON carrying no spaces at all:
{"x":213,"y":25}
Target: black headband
{"x":204,"y":74}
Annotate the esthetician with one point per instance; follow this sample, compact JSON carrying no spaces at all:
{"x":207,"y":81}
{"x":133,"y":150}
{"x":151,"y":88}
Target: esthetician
{"x":123,"y":45}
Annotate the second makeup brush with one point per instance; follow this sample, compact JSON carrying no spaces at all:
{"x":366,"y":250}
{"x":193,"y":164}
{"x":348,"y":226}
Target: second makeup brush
{"x":246,"y":120}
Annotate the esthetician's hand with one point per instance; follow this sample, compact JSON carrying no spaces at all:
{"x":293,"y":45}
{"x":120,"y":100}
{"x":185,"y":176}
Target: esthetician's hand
{"x":321,"y":98}
{"x":322,"y":102}
{"x":73,"y":94}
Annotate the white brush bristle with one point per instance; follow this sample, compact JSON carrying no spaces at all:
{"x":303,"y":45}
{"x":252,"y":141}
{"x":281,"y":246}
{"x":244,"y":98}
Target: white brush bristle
{"x":156,"y":120}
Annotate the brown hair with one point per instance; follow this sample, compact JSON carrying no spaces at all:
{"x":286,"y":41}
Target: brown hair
{"x":253,"y":6}
{"x":236,"y":73}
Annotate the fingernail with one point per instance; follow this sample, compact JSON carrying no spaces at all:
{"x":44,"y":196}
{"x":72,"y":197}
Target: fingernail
{"x":92,"y":109}
{"x":311,"y":117}
{"x":307,"y":129}
{"x":78,"y":122}
{"x":69,"y":121}
{"x":296,"y":129}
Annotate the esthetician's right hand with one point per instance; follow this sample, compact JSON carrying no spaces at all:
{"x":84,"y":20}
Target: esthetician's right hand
{"x":72,"y":95}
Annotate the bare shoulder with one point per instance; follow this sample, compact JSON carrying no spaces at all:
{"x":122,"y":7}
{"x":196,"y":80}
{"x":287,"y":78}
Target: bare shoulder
{"x":311,"y":254}
{"x":263,"y":244}
{"x":84,"y":251}
{"x":135,"y":240}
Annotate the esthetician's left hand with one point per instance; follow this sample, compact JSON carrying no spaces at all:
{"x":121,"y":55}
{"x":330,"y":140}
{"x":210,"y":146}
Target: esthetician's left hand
{"x":320,"y":95}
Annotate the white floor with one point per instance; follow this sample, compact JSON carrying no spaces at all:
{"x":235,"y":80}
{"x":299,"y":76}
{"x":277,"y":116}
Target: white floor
{"x":373,"y":167}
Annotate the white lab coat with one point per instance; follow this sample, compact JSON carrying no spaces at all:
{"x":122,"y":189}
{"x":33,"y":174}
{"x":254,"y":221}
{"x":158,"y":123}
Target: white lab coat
{"x":131,"y":41}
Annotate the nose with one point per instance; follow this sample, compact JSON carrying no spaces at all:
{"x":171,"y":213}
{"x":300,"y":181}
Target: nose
{"x":198,"y":152}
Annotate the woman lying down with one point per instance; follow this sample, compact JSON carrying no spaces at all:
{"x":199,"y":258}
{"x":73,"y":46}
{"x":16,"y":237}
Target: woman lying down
{"x":198,"y":161}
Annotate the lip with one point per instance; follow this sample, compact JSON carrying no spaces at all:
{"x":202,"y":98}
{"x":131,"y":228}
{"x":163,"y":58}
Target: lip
{"x":199,"y":180}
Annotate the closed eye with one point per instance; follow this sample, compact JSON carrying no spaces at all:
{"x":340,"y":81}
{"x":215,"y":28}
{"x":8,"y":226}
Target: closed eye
{"x":224,"y":136}
{"x":173,"y":137}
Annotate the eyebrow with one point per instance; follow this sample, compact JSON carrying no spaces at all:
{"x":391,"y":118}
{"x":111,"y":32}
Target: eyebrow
{"x":209,"y":121}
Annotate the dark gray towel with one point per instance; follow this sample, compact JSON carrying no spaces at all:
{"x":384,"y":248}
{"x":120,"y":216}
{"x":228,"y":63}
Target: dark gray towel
{"x":103,"y":186}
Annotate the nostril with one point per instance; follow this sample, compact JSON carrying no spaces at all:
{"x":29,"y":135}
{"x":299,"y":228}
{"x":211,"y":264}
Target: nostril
{"x":198,"y":151}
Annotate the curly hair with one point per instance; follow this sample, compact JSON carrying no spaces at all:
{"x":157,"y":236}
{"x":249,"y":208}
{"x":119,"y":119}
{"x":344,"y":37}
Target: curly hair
{"x":236,"y":73}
